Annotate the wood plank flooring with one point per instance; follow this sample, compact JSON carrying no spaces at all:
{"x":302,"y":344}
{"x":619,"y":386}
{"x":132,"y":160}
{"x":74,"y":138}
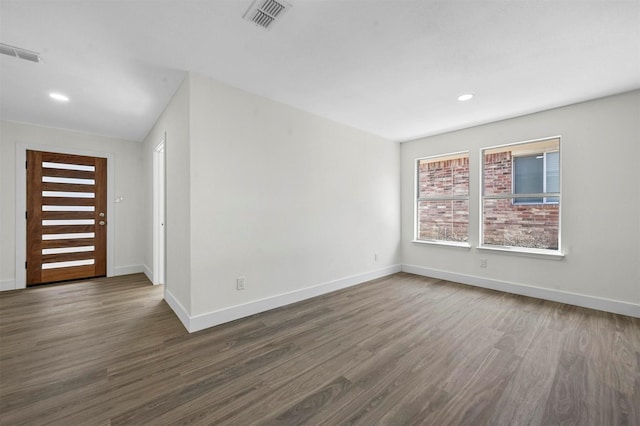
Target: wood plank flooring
{"x":399,"y":350}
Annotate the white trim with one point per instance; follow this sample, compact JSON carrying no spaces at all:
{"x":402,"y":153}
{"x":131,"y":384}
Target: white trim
{"x":416,"y":187}
{"x":444,"y":157}
{"x":178,"y":309}
{"x":159,"y":213}
{"x":128,"y":270}
{"x":526,"y":251}
{"x":599,"y":303}
{"x":147,"y":272}
{"x":21,"y":203}
{"x":7,"y":285}
{"x":443,"y":243}
{"x":548,"y":138}
{"x":210,"y":319}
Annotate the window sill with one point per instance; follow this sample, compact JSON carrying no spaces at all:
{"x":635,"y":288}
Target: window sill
{"x":443,"y":243}
{"x":532,"y":252}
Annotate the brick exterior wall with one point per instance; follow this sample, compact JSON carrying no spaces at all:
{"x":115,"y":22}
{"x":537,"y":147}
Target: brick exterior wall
{"x":444,"y":220}
{"x":508,"y":224}
{"x":505,"y":223}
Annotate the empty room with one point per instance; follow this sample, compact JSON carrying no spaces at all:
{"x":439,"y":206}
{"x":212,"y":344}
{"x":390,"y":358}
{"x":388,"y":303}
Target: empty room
{"x":319,"y":212}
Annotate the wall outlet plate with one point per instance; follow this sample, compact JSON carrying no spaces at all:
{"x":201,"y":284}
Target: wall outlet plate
{"x":240,"y":283}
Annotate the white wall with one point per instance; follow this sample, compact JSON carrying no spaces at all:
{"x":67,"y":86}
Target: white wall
{"x":126,"y":217}
{"x":600,"y":206}
{"x":174,"y":122}
{"x":284,"y":198}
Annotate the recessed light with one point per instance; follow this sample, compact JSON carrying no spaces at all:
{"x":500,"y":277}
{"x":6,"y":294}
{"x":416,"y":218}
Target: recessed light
{"x":59,"y":97}
{"x":466,"y":97}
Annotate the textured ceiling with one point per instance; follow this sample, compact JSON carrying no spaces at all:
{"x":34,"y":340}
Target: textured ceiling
{"x":392,"y":68}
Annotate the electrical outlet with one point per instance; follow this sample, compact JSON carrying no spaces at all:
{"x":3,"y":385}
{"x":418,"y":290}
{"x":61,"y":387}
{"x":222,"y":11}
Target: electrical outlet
{"x":375,"y":257}
{"x":240,"y":283}
{"x":483,"y":263}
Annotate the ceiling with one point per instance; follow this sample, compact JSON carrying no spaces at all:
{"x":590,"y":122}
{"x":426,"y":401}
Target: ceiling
{"x":392,"y":68}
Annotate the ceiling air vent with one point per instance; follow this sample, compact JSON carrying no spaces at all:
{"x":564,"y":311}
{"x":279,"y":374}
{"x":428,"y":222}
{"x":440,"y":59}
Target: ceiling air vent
{"x":18,"y":52}
{"x":264,"y":12}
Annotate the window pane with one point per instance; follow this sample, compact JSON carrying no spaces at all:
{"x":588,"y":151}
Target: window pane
{"x":77,"y":181}
{"x":552,"y":175}
{"x":68,"y":208}
{"x":520,"y":225}
{"x":519,"y":168}
{"x":68,"y":250}
{"x":443,"y":220}
{"x":497,"y":173}
{"x":443,"y":176}
{"x":65,"y":166}
{"x":67,"y":194}
{"x":528,"y":177}
{"x":55,"y":265}
{"x":68,"y":236}
{"x":54,"y":222}
{"x":460,"y":171}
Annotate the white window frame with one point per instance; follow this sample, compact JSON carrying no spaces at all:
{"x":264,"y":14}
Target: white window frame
{"x":417,"y":200}
{"x":547,"y":253}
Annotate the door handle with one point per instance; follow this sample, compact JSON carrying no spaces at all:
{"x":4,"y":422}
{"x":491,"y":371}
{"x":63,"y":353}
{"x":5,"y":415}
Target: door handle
{"x":102,"y":223}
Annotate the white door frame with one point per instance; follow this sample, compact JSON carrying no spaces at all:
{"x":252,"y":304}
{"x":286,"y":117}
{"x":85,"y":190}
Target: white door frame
{"x":21,"y":203}
{"x":159,"y":214}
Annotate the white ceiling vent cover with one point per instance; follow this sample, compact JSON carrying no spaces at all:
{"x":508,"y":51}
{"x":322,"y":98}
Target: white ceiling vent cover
{"x":264,"y":12}
{"x":18,"y":52}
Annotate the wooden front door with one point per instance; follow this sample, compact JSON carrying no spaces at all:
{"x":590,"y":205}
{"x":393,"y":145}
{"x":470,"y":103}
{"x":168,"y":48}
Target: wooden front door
{"x":66,"y":217}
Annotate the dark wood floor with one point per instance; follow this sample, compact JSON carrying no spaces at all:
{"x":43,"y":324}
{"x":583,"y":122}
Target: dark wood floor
{"x":399,"y":350}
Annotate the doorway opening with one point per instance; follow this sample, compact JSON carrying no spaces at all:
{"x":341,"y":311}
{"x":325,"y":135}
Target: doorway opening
{"x":159,"y":209}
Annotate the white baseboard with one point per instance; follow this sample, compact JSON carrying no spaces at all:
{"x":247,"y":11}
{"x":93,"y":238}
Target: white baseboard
{"x":147,"y":272}
{"x":601,"y":304}
{"x":177,"y":308}
{"x":210,"y":319}
{"x":6,"y":285}
{"x":127,"y":270}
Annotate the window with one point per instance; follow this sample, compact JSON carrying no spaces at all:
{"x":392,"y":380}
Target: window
{"x":530,"y":220}
{"x":536,"y":174}
{"x":442,"y":199}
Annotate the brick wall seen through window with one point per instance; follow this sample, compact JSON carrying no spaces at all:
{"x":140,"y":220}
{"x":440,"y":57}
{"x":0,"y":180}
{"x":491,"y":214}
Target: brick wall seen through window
{"x":443,"y":198}
{"x":529,"y":221}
